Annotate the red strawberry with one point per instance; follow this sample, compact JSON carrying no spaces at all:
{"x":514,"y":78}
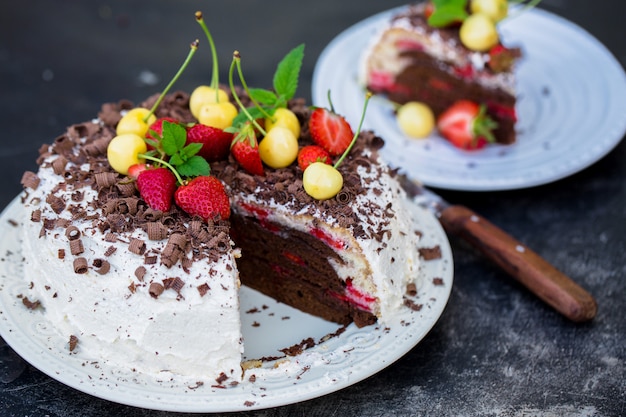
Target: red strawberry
{"x":156,"y":186}
{"x":203,"y":196}
{"x":330,"y":131}
{"x":466,"y":125}
{"x":215,"y":142}
{"x":312,"y":153}
{"x":245,"y":150}
{"x":136,"y":169}
{"x":155,"y":131}
{"x":501,"y":58}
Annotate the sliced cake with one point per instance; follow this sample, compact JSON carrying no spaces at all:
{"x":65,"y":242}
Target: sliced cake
{"x":156,"y":291}
{"x":411,"y":60}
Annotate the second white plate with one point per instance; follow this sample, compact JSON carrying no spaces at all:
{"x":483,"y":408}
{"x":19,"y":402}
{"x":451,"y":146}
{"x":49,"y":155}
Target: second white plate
{"x":571,"y":101}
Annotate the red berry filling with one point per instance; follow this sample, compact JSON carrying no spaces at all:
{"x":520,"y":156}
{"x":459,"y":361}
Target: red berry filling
{"x":326,"y":238}
{"x":355,"y":297}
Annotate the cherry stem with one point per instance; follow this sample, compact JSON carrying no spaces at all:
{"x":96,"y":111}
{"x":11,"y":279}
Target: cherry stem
{"x":368,"y":96}
{"x":167,"y":164}
{"x":192,"y":51}
{"x":330,"y":102}
{"x":247,"y":90}
{"x":215,"y":77}
{"x":235,"y":62}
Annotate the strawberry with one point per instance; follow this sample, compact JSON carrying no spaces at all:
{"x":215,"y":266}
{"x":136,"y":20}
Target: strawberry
{"x":203,"y":196}
{"x":156,"y":186}
{"x":501,"y":58}
{"x":312,"y":153}
{"x":466,"y":125}
{"x":245,"y":150}
{"x":330,"y":131}
{"x":215,"y":142}
{"x":136,"y":169}
{"x":155,"y":130}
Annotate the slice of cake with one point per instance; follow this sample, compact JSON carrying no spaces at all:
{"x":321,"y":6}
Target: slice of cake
{"x":410,"y":60}
{"x":157,"y":291}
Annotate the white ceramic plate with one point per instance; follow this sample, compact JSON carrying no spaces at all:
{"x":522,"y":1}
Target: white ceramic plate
{"x":267,"y":326}
{"x":571,"y":107}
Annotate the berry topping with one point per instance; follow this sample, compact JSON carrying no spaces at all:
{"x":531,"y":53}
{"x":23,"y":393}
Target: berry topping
{"x":330,"y":130}
{"x":215,"y":142}
{"x":279,"y":147}
{"x":125,"y":150}
{"x":245,"y":150}
{"x":415,"y":119}
{"x":156,"y":186}
{"x":322,"y":181}
{"x":478,"y":32}
{"x":466,"y":125}
{"x":312,"y":153}
{"x":205,"y":197}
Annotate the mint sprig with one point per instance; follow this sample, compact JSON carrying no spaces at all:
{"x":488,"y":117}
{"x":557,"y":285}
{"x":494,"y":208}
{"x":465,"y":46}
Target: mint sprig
{"x":285,"y":81}
{"x":447,"y":12}
{"x":182,"y":159}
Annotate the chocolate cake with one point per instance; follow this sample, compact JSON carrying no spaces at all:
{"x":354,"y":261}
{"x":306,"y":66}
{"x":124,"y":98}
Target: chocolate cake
{"x":158,"y":290}
{"x":410,"y":60}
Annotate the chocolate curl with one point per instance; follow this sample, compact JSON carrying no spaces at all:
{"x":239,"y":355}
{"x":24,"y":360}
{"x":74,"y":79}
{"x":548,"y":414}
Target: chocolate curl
{"x":156,"y":231}
{"x":105,"y":179}
{"x":58,"y":165}
{"x":35,"y":216}
{"x":203,"y":289}
{"x":175,"y":284}
{"x":156,"y":289}
{"x":110,"y":251}
{"x":126,"y":189}
{"x":137,"y":246}
{"x":80,"y":265}
{"x":56,"y":203}
{"x":102,"y":266}
{"x":73,"y":342}
{"x":140,"y":272}
{"x":72,"y":233}
{"x":76,"y":247}
{"x":30,"y":180}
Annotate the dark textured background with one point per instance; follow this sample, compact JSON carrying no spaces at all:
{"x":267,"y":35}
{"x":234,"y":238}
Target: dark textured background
{"x":497,"y":350}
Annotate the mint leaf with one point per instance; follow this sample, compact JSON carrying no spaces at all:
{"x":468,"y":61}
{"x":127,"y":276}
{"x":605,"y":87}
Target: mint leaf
{"x":447,"y":12}
{"x":263,"y":96}
{"x":288,"y":72}
{"x":174,"y":138}
{"x":241,"y":117}
{"x":194,"y":166}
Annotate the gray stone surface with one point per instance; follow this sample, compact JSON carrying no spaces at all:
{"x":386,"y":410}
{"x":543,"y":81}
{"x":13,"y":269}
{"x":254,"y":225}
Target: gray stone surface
{"x":496,"y":351}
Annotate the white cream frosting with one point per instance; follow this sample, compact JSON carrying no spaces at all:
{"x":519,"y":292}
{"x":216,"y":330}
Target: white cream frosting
{"x":177,"y":333}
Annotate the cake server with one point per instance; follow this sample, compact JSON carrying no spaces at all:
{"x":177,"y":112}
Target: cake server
{"x":526,"y":266}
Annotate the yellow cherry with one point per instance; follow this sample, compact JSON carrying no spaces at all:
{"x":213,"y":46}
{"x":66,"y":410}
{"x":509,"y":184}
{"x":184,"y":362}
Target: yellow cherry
{"x":279,"y":148}
{"x":219,"y":115}
{"x":204,"y":94}
{"x":322,"y":181}
{"x":415,"y":119}
{"x":133,"y":122}
{"x":286,"y":118}
{"x":123,"y":151}
{"x":496,"y":10}
{"x":478,"y":32}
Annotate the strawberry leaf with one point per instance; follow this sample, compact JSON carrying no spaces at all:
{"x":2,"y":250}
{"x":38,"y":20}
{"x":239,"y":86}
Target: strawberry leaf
{"x":193,"y":167}
{"x":288,"y":72}
{"x":174,"y":138}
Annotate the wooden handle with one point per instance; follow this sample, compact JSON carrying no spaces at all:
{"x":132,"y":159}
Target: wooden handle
{"x":543,"y":279}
